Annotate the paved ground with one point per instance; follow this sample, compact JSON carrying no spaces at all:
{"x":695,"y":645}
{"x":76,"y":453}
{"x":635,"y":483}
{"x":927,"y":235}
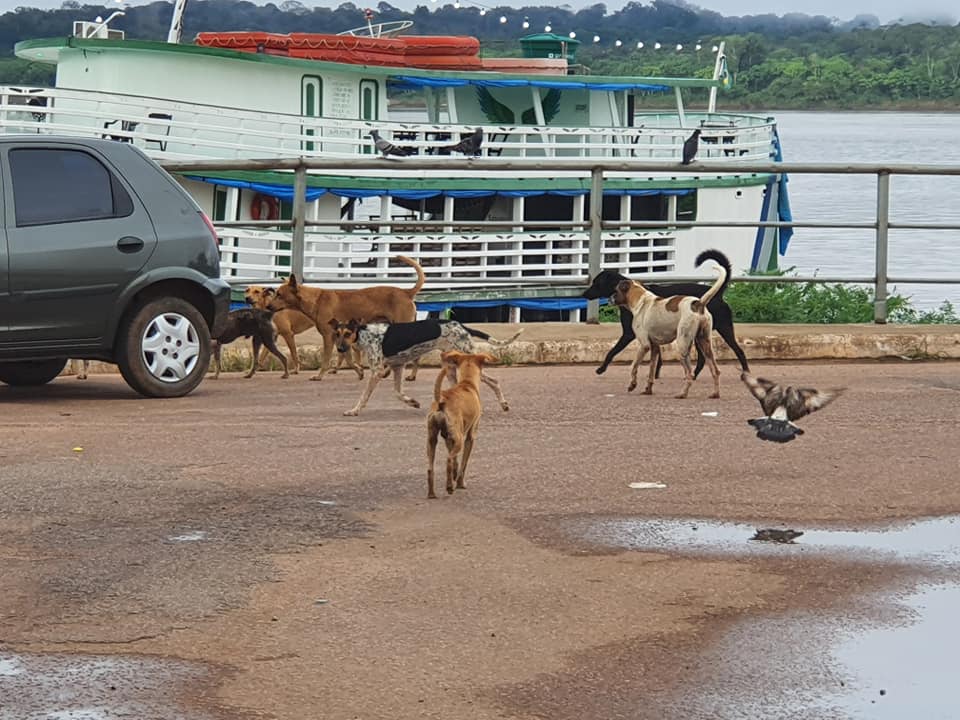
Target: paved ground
{"x":249,"y":552}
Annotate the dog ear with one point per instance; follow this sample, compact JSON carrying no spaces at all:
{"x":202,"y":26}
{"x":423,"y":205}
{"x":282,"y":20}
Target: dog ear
{"x":292,"y":281}
{"x":333,"y":323}
{"x":269,"y":291}
{"x":624,"y":285}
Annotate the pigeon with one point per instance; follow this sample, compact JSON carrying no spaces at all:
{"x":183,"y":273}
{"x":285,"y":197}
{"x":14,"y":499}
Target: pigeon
{"x":782,"y":405}
{"x":778,"y":536}
{"x":385,"y":146}
{"x":469,"y":145}
{"x":690,"y":146}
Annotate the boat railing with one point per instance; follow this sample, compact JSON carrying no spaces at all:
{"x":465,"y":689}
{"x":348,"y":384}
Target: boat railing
{"x":185,"y":131}
{"x":570,"y":254}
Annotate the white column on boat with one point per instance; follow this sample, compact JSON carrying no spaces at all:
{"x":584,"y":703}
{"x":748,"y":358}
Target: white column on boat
{"x":448,"y":206}
{"x":452,"y":114}
{"x":231,"y":211}
{"x":176,"y":22}
{"x":584,"y":239}
{"x":517,"y":245}
{"x":680,"y":112}
{"x":625,"y":212}
{"x":541,"y":121}
{"x":712,"y":104}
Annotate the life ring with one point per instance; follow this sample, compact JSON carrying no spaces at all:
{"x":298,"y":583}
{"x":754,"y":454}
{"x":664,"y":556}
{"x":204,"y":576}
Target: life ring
{"x":261,"y":201}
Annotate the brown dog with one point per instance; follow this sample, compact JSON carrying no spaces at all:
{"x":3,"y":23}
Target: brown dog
{"x":383,"y":302}
{"x":289,"y":323}
{"x":658,"y":321}
{"x":456,"y":416}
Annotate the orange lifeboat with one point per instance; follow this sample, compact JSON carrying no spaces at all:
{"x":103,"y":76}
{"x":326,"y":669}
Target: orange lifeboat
{"x":421,"y":51}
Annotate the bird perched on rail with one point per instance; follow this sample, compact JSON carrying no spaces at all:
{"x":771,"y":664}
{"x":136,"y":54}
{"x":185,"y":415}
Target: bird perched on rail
{"x":470,"y":145}
{"x":690,"y":147}
{"x":782,"y":405}
{"x":385,"y":146}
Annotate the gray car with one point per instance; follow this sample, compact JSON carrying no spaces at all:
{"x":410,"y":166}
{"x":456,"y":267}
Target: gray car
{"x":104,"y":256}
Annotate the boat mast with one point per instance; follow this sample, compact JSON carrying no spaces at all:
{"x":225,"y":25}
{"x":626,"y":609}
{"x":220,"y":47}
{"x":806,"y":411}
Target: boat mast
{"x":717,"y":67}
{"x":176,"y":22}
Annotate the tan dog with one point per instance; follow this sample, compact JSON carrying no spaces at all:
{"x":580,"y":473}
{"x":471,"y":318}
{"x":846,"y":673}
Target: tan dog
{"x":658,"y":321}
{"x":456,"y":416}
{"x":289,"y":323}
{"x":383,"y":302}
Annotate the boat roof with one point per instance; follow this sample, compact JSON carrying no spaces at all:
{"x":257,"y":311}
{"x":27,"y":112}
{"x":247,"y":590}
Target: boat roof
{"x":48,"y":50}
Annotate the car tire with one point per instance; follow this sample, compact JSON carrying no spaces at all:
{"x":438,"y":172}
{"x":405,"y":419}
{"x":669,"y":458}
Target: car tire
{"x":31,"y":372}
{"x":163,"y":348}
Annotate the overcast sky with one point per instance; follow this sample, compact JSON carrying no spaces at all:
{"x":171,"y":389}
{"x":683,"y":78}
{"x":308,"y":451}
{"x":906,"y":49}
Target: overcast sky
{"x":885,"y":10}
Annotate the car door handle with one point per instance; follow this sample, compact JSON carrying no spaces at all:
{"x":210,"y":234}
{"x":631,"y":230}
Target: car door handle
{"x":129,"y":244}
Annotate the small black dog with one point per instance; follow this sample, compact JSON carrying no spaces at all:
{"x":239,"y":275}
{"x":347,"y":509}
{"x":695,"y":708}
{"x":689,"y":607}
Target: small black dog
{"x":606,"y":281}
{"x":249,"y":322}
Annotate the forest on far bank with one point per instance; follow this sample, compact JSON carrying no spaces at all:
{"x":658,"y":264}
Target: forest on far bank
{"x":793,"y":61}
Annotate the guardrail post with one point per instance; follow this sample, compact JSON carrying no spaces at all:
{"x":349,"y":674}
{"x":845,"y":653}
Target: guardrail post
{"x":596,"y":239}
{"x":883,"y":230}
{"x":298,"y":222}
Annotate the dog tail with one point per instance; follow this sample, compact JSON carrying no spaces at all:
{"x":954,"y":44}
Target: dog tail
{"x":421,"y":278}
{"x":489,"y":338}
{"x":720,"y":283}
{"x":722,"y":260}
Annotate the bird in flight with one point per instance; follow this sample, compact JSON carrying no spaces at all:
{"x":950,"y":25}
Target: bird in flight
{"x":782,"y":405}
{"x":690,"y":146}
{"x":385,"y":146}
{"x":470,"y":145}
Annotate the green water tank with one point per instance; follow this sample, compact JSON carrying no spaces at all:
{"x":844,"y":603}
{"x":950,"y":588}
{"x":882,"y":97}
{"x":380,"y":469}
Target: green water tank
{"x":548,"y":45}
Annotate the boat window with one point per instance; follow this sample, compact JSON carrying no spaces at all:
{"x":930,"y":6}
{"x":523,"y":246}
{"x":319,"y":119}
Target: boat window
{"x":369,"y":100}
{"x":85,"y":189}
{"x":311,"y":104}
{"x":543,"y":208}
{"x":219,"y":203}
{"x":687,"y":206}
{"x":649,"y":207}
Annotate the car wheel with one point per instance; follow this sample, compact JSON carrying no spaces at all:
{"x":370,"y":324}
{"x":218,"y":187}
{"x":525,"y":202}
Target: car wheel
{"x":164,"y":348}
{"x":31,"y":372}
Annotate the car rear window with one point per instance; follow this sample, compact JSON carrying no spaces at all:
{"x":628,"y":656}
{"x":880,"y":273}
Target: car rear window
{"x":55,"y":185}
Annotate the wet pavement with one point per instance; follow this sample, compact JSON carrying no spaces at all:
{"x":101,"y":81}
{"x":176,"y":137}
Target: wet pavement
{"x":248,"y":552}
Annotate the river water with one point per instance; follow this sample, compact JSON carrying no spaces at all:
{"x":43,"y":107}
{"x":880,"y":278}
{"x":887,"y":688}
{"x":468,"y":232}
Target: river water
{"x":875,"y":137}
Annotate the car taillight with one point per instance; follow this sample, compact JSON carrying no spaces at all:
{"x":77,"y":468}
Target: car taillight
{"x":212,"y":229}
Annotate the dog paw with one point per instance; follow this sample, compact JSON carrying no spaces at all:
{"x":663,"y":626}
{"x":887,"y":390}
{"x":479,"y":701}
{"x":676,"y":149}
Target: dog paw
{"x":631,"y":387}
{"x":316,"y":377}
{"x":351,"y":413}
{"x":505,"y":407}
{"x":600,"y":370}
{"x":648,"y":391}
{"x":413,"y":403}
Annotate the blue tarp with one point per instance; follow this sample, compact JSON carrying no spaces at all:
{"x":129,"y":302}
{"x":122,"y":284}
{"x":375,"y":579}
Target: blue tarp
{"x":410,"y":82}
{"x":783,"y":200}
{"x":285,"y":192}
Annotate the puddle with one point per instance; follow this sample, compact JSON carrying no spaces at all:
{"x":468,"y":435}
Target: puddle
{"x":92,"y":687}
{"x":887,"y":657}
{"x":810,"y":665}
{"x":935,"y":541}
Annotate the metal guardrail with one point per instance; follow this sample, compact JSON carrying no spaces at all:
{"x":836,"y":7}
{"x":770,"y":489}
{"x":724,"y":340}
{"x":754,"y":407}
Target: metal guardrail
{"x":597,"y":171}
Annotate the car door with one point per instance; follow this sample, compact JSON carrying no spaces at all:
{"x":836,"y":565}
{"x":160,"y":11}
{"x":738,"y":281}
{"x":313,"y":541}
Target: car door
{"x":77,"y":234}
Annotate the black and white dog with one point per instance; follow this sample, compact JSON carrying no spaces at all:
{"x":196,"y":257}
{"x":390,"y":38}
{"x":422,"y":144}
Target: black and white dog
{"x":605,"y":283}
{"x":391,"y":346}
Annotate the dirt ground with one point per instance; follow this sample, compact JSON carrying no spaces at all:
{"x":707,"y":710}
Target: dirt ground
{"x":278,"y":560}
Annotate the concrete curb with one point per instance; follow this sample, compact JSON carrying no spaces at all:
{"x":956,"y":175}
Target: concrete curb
{"x":569,"y":343}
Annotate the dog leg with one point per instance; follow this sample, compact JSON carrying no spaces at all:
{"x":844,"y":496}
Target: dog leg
{"x":454,"y":446}
{"x":683,"y":348}
{"x":705,"y":348}
{"x":414,"y":366}
{"x":494,"y":385}
{"x":257,"y":345}
{"x":626,"y":337}
{"x":216,"y":359}
{"x":398,"y":387}
{"x":465,"y":456}
{"x":434,"y":423}
{"x":641,"y":351}
{"x":327,"y":352}
{"x":655,"y":357}
{"x":726,"y":332}
{"x":294,"y":357}
{"x":271,"y":345}
{"x":367,"y":392}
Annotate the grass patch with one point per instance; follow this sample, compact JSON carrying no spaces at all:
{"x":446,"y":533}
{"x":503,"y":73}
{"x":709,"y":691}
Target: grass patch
{"x":815,"y":303}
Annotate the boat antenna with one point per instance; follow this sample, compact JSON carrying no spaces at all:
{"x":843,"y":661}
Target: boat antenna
{"x":176,"y":22}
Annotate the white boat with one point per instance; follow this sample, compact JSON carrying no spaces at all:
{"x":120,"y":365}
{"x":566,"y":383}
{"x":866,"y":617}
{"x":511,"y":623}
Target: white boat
{"x":269,"y":96}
